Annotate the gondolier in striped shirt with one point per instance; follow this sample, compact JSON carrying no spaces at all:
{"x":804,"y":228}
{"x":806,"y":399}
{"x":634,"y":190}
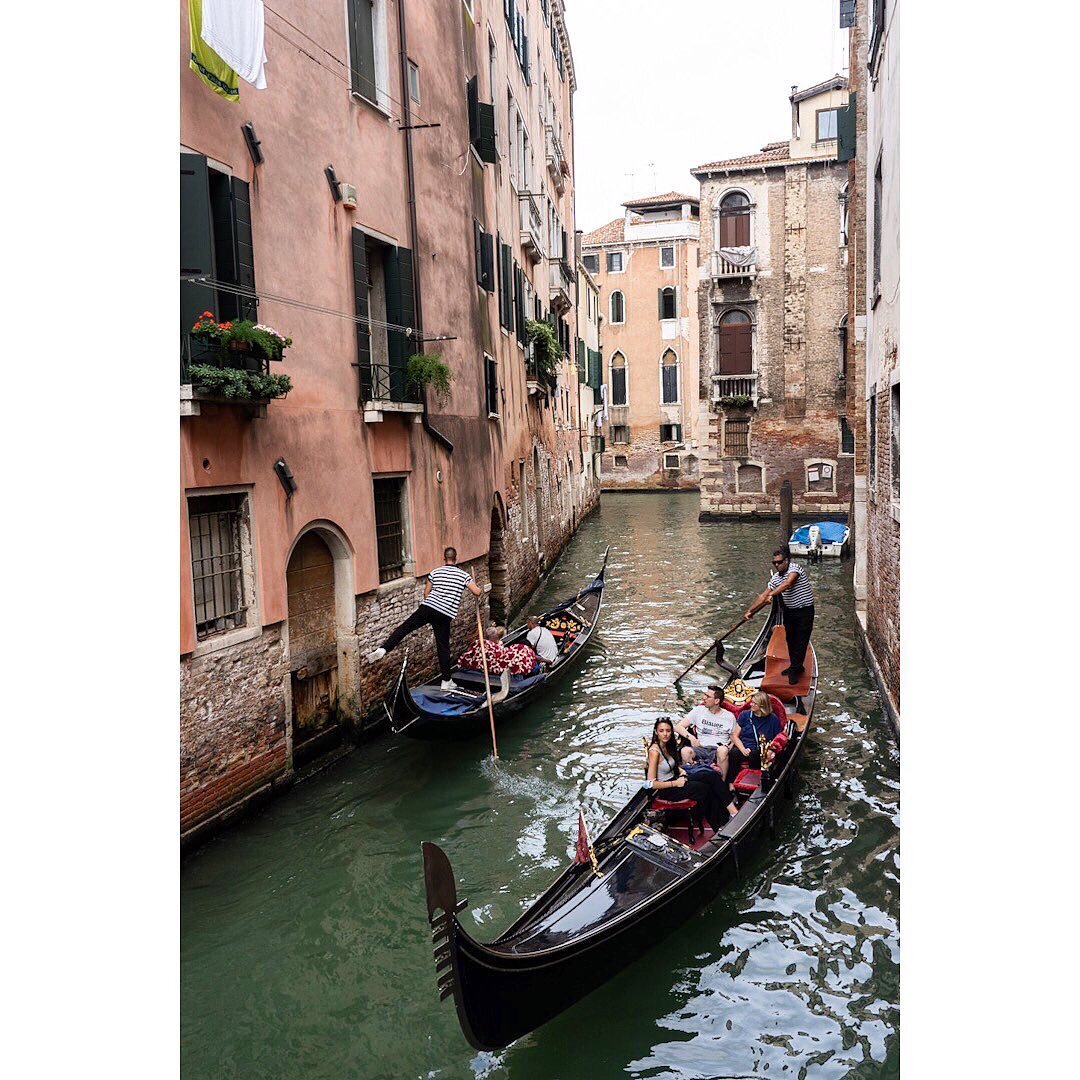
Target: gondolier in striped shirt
{"x":792,"y":585}
{"x":442,"y":599}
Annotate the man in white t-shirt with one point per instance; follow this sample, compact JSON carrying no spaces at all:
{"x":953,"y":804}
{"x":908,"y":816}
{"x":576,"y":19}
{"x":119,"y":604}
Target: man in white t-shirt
{"x":542,"y":641}
{"x":716,"y":727}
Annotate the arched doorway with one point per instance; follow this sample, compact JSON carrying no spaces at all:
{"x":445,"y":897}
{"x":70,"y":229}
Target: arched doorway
{"x":313,"y":650}
{"x":498,"y":599}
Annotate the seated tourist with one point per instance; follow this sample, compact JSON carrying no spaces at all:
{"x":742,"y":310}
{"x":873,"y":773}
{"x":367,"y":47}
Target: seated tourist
{"x":513,"y":659}
{"x":755,"y":722}
{"x":666,"y":777}
{"x":542,"y":640}
{"x":709,"y":728}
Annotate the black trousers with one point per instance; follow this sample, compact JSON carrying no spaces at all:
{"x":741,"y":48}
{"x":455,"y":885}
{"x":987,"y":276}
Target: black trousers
{"x":711,"y":793}
{"x":440,"y":627}
{"x":798,"y":622}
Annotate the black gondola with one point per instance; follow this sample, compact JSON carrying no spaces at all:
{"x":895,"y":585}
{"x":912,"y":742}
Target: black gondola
{"x":428,"y":712}
{"x":591,"y":923}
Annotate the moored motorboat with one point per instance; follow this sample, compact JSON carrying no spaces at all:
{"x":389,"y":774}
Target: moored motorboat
{"x":596,"y":919}
{"x":830,"y":539}
{"x":429,"y":712}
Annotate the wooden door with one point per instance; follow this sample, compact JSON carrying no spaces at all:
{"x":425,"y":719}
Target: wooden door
{"x":312,"y":635}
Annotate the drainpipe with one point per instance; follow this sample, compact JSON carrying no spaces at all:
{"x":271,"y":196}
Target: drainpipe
{"x":425,"y":419}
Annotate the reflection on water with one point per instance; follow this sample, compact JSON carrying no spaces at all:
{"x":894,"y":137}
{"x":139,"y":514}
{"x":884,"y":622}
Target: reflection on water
{"x":305,"y":946}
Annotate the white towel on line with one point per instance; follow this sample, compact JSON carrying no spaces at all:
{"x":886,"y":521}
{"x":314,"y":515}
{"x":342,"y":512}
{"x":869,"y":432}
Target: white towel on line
{"x":235,"y":30}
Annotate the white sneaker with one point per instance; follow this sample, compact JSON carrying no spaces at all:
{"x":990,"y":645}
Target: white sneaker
{"x":449,"y":684}
{"x":375,"y":654}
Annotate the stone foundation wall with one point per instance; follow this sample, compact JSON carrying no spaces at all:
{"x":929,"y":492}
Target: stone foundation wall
{"x":232,"y":725}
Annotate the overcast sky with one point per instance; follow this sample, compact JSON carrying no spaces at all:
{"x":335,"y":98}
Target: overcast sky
{"x":681,"y":82}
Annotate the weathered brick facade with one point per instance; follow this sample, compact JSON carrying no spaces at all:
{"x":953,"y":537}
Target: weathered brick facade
{"x":794,"y":296}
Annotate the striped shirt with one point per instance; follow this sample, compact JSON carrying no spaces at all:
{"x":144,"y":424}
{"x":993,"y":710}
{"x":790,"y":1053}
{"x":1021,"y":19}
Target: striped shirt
{"x":800,"y":594}
{"x":446,"y":585}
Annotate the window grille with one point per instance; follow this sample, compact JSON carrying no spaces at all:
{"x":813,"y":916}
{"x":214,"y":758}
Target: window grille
{"x":737,"y":438}
{"x":389,"y":526}
{"x":217,"y":524}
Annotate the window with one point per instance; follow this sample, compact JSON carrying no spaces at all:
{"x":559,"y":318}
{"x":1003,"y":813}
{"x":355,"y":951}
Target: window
{"x":735,"y":344}
{"x":620,"y":461}
{"x":843,"y":198}
{"x":493,"y":78}
{"x":618,"y":308}
{"x":820,"y":476}
{"x":667,"y":257}
{"x":871,"y":430}
{"x":894,"y":418}
{"x":506,"y":287}
{"x":367,"y":28}
{"x":222,"y":574}
{"x":669,"y":378}
{"x":484,"y":257}
{"x":491,"y":386}
{"x":734,"y":221}
{"x":591,"y":263}
{"x":877,"y":229}
{"x":671,"y":432}
{"x":877,"y":26}
{"x":737,"y":438}
{"x":666,"y":301}
{"x":215,"y":242}
{"x":620,"y":434}
{"x":749,"y":480}
{"x":842,"y":340}
{"x":414,"y":82}
{"x":826,"y":124}
{"x":390,"y":537}
{"x":618,"y":379}
{"x":481,"y":123}
{"x":671,"y":461}
{"x":847,"y":437}
{"x":614,"y":262}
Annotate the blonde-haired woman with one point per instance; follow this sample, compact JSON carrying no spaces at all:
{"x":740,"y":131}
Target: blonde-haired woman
{"x":753,"y":723}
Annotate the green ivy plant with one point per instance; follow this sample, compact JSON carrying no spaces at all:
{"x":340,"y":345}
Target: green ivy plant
{"x":236,"y":385}
{"x":423,"y":370}
{"x":546,"y":349}
{"x":737,"y":401}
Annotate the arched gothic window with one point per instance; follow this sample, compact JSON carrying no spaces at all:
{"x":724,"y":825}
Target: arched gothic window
{"x":618,"y":307}
{"x":618,"y":379}
{"x":669,"y":378}
{"x":735,"y":344}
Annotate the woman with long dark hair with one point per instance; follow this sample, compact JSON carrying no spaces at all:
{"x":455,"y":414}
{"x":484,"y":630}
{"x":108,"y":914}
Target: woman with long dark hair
{"x":666,"y":777}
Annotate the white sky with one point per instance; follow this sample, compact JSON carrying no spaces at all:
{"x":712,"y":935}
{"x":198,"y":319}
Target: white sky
{"x":677,"y":83}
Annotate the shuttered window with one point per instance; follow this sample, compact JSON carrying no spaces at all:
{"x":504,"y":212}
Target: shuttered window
{"x":666,"y":302}
{"x":618,"y":379}
{"x":506,"y":287}
{"x":618,"y":307}
{"x":669,"y":378}
{"x":484,"y":257}
{"x":491,"y":386}
{"x":481,"y":123}
{"x":362,"y":49}
{"x":735,"y":344}
{"x":735,"y":220}
{"x":670,"y":432}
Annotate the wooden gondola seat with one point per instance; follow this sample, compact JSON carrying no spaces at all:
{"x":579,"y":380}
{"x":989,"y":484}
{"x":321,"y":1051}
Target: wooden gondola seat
{"x":776,"y":659}
{"x":679,"y":806}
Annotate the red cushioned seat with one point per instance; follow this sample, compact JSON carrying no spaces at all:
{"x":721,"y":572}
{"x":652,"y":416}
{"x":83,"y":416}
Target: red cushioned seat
{"x":747,"y":781}
{"x":681,"y":806}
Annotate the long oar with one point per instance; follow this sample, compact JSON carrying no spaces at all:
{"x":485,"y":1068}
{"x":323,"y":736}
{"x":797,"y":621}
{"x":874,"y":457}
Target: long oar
{"x":711,"y":645}
{"x":487,"y":681}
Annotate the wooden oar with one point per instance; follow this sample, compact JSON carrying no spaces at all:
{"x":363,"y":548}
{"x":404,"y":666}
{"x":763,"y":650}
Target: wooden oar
{"x":711,"y":645}
{"x":487,"y":681}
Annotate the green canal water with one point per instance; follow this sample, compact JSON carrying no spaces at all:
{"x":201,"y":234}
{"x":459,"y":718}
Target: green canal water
{"x":305,"y":949}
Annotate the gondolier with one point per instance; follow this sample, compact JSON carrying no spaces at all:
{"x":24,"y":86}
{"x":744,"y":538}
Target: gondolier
{"x":791,"y":584}
{"x":442,"y":599}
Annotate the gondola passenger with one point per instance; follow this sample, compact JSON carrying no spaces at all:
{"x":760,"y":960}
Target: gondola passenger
{"x":515,"y":659}
{"x":666,"y":777}
{"x":754,"y":722}
{"x":709,"y":729}
{"x":543,"y":641}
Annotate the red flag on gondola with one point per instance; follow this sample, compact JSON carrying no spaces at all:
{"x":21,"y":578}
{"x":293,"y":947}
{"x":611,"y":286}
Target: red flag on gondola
{"x":581,"y":854}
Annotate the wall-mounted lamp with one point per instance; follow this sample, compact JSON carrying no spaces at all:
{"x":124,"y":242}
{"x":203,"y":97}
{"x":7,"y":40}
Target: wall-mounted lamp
{"x":253,"y":144}
{"x":334,"y":182}
{"x":284,"y":474}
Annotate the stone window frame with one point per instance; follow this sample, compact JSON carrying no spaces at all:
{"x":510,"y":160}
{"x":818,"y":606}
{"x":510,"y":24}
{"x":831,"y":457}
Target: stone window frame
{"x":622,"y":258}
{"x":749,"y":309}
{"x":615,"y":461}
{"x":808,"y":463}
{"x":678,"y":376}
{"x":408,"y":569}
{"x":664,"y":265}
{"x":764,"y":476}
{"x":734,"y":189}
{"x":674,"y":290}
{"x":725,"y":451}
{"x":253,"y":627}
{"x":625,"y":403}
{"x":612,"y":321}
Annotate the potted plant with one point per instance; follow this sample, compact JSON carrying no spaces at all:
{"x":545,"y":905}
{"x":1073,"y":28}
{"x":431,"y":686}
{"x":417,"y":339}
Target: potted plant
{"x":423,"y":370}
{"x":253,"y":343}
{"x":235,"y":384}
{"x":737,"y":401}
{"x":545,"y":348}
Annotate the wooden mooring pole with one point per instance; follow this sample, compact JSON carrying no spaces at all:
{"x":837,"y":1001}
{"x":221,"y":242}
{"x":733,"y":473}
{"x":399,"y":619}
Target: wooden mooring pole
{"x":785,"y":512}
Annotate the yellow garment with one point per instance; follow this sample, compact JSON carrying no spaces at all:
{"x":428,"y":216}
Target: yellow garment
{"x":205,"y":62}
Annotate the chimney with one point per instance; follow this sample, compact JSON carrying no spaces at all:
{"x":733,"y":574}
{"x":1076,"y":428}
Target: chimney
{"x":794,"y":113}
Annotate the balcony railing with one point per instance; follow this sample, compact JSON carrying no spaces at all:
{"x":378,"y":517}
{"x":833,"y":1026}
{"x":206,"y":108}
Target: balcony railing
{"x":198,"y":350}
{"x":532,"y":227}
{"x":382,"y":383}
{"x":556,"y":159}
{"x":561,"y":287}
{"x":537,"y":381}
{"x":725,"y":268}
{"x":735,"y":386}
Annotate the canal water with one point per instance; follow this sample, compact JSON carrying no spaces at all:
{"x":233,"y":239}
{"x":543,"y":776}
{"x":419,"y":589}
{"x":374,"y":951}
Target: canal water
{"x":305,"y":948}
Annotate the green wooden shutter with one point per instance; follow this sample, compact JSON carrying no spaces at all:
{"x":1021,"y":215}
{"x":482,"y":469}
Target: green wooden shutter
{"x":477,"y":232}
{"x":472,"y":104}
{"x":196,"y":241}
{"x":845,"y":131}
{"x":362,"y":49}
{"x":660,"y":303}
{"x":244,"y":248}
{"x":519,"y":304}
{"x":400,"y":311}
{"x":487,"y":262}
{"x":363,"y":332}
{"x":485,"y":143}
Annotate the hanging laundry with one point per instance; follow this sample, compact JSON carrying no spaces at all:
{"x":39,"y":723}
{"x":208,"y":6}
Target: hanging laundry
{"x":235,"y":30}
{"x":205,"y":62}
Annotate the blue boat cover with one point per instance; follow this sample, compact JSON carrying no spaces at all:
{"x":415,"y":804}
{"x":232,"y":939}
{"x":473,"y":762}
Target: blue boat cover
{"x":450,"y":704}
{"x":832,"y":532}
